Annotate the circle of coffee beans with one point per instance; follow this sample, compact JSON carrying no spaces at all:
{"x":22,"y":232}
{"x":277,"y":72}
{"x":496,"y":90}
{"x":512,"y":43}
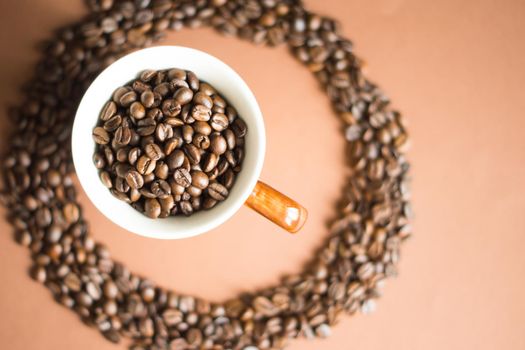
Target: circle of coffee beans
{"x":345,"y":275}
{"x":168,"y":144}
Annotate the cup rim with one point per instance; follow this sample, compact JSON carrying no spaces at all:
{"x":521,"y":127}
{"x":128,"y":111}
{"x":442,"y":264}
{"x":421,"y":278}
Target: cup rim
{"x":125,"y":70}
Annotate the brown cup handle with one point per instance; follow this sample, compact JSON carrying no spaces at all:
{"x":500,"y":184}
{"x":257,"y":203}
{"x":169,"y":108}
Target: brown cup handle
{"x":277,"y":207}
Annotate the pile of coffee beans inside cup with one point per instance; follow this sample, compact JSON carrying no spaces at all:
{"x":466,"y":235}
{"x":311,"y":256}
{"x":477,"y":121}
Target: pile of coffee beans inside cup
{"x":361,"y":247}
{"x":169,"y":144}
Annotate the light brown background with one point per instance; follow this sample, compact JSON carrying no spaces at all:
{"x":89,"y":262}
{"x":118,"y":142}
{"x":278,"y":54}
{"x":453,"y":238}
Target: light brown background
{"x":455,"y":68}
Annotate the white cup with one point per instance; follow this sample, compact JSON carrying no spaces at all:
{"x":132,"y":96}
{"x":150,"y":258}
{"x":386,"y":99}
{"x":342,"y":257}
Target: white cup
{"x":234,"y":89}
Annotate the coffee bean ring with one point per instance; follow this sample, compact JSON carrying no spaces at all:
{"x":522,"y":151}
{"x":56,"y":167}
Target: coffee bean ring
{"x":345,"y":275}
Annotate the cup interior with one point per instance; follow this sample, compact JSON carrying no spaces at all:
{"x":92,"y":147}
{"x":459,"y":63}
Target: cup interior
{"x":208,"y":68}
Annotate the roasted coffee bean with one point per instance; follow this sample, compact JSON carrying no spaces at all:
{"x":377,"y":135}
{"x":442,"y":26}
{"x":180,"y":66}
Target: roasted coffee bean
{"x":183,"y":95}
{"x":219,"y":122}
{"x":187,"y":133}
{"x":229,"y":136}
{"x":152,"y":208}
{"x":239,"y":127}
{"x":201,"y":98}
{"x":209,"y":203}
{"x":209,"y":162}
{"x":100,"y":136}
{"x":186,"y":208}
{"x":160,"y":188}
{"x":147,"y":98}
{"x":199,"y":179}
{"x":119,"y":92}
{"x":192,"y":80}
{"x":121,"y":185}
{"x":201,"y":141}
{"x":153,"y":151}
{"x":113,"y":123}
{"x":122,"y":136}
{"x":176,"y":73}
{"x":122,"y":169}
{"x":202,"y":127}
{"x":106,"y":179}
{"x":178,"y":83}
{"x":201,"y":113}
{"x":207,"y":89}
{"x":145,"y":165}
{"x":134,"y":179}
{"x":109,"y":110}
{"x":218,"y":144}
{"x":128,"y":98}
{"x":193,"y":153}
{"x":194,"y":191}
{"x":170,"y":108}
{"x":162,"y":132}
{"x":148,"y":75}
{"x":134,"y":155}
{"x":217,"y":191}
{"x":228,"y":179}
{"x":137,"y":110}
{"x":182,"y":177}
{"x":162,"y":170}
{"x":146,"y":126}
{"x":162,"y":89}
{"x":175,"y":159}
{"x":98,"y":161}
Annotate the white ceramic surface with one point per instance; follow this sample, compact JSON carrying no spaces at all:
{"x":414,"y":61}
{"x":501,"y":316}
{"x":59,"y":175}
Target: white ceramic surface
{"x":207,"y":68}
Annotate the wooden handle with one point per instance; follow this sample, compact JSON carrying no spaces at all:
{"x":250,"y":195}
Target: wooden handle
{"x":277,"y":207}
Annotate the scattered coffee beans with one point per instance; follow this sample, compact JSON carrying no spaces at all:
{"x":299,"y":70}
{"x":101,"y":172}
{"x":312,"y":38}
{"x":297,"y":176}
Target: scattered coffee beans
{"x":361,"y":250}
{"x":167,"y":136}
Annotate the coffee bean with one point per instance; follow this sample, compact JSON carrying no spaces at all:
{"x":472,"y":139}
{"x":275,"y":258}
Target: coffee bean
{"x":152,"y":208}
{"x":202,"y":127}
{"x":218,"y":144}
{"x":146,"y":126}
{"x":100,"y":136}
{"x":239,"y":127}
{"x":128,"y":98}
{"x":160,"y":188}
{"x":182,"y":177}
{"x":201,"y":141}
{"x":122,"y":136}
{"x":106,"y":179}
{"x":162,"y":89}
{"x":201,"y":113}
{"x":133,"y":155}
{"x":194,"y":191}
{"x":192,"y":80}
{"x":145,"y":165}
{"x":170,"y":108}
{"x":199,"y":179}
{"x":176,"y":73}
{"x":147,"y":98}
{"x":183,"y":95}
{"x":193,"y":153}
{"x":137,"y":110}
{"x":186,"y":208}
{"x":217,"y":191}
{"x":207,"y":89}
{"x":109,"y":110}
{"x":134,"y":179}
{"x":229,"y":136}
{"x":201,"y":98}
{"x":153,"y":151}
{"x":210,"y":162}
{"x":175,"y":159}
{"x":162,"y":170}
{"x":219,"y":122}
{"x":148,"y":75}
{"x":187,"y":133}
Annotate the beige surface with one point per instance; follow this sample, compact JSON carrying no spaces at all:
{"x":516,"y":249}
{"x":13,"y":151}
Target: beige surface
{"x":455,"y":68}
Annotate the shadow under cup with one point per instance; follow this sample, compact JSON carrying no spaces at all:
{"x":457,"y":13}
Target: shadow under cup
{"x":207,"y":68}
